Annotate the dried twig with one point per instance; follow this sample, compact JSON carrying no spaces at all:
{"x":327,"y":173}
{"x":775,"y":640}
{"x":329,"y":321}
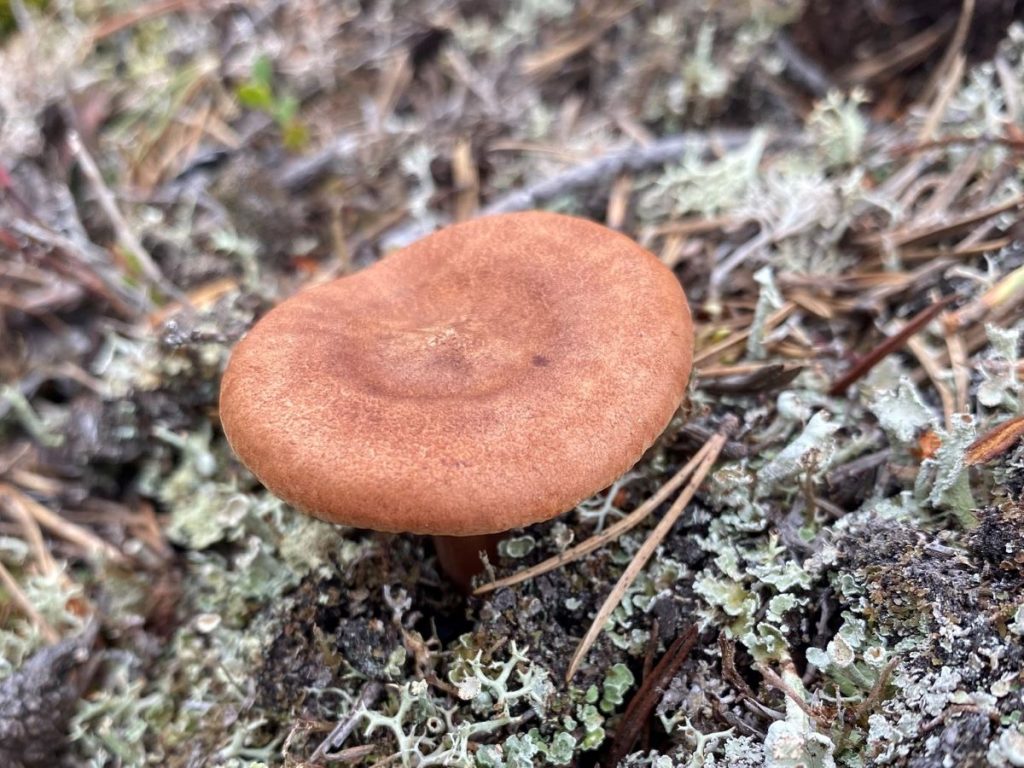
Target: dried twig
{"x":887,"y":347}
{"x":942,"y":231}
{"x":995,"y":442}
{"x":1006,"y":293}
{"x":775,"y":681}
{"x":598,"y":540}
{"x":33,"y":534}
{"x":645,"y":680}
{"x":870,"y":701}
{"x":370,"y":693}
{"x":640,"y":707}
{"x":901,"y":57}
{"x":727,"y":650}
{"x":958,"y":362}
{"x":875,"y":694}
{"x":946,"y":76}
{"x":86,"y":262}
{"x":646,"y":550}
{"x":770,"y":376}
{"x":935,"y":374}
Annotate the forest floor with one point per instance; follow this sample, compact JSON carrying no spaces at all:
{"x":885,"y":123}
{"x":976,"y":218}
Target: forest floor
{"x":840,"y":191}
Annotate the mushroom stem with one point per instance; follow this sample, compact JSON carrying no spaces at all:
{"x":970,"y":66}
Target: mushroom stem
{"x":459,"y":556}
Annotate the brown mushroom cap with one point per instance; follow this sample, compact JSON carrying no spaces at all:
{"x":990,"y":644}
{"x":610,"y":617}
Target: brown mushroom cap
{"x":491,"y":375}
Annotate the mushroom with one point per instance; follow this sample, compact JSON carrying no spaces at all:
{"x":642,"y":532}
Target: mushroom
{"x":489,"y":376}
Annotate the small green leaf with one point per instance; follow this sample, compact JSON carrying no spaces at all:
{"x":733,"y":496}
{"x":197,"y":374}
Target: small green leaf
{"x":294,"y":135}
{"x":255,"y":96}
{"x":263,"y":72}
{"x":285,"y":109}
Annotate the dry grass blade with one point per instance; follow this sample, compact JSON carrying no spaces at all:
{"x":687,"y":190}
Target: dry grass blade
{"x":887,"y":347}
{"x":995,"y":442}
{"x":909,"y":53}
{"x":547,"y":60}
{"x":598,"y":540}
{"x":962,"y":251}
{"x":947,"y":75}
{"x":20,"y":599}
{"x":714,"y":448}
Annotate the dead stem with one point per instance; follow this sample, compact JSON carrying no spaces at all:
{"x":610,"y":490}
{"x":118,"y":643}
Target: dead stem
{"x":32,"y":532}
{"x":958,"y":362}
{"x":935,"y":374}
{"x":712,"y":352}
{"x":775,"y":681}
{"x":995,"y":442}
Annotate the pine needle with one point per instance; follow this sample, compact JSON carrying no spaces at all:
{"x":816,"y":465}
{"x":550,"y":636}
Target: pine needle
{"x":713,"y":449}
{"x":20,"y":599}
{"x":598,"y":540}
{"x":59,"y":526}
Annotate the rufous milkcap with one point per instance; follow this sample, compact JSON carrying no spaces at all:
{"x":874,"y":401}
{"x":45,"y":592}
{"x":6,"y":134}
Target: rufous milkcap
{"x":491,"y":375}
